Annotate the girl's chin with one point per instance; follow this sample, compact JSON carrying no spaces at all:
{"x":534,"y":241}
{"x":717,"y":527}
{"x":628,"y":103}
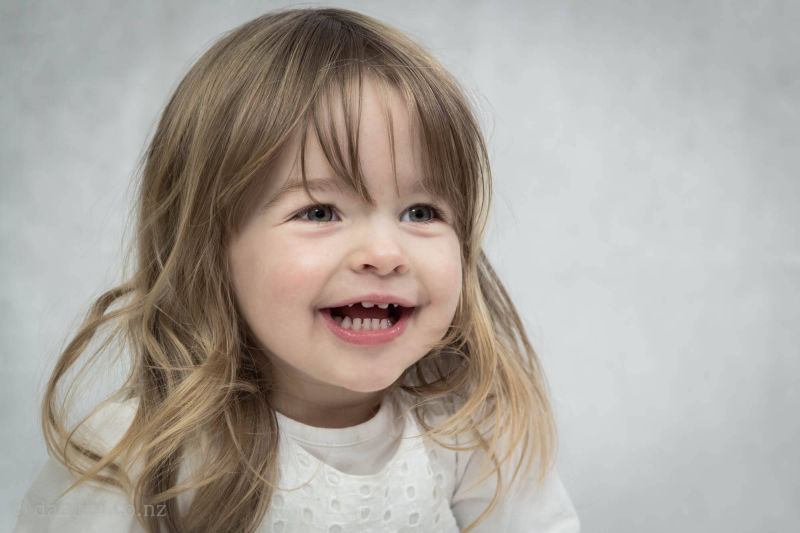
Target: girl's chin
{"x":371,"y":383}
{"x":369,"y":387}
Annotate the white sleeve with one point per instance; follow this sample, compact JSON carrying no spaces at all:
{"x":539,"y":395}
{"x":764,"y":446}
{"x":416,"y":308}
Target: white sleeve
{"x":86,"y":508}
{"x":526,"y":507}
{"x":90,"y":506}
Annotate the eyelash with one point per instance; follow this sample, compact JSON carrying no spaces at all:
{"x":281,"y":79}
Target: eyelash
{"x":436,"y":214}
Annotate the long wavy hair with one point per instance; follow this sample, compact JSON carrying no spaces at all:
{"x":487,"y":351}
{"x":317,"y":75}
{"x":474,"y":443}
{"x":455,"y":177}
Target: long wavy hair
{"x":195,"y":365}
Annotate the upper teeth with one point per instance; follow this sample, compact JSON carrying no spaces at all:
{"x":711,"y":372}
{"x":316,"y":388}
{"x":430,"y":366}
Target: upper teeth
{"x":370,"y":304}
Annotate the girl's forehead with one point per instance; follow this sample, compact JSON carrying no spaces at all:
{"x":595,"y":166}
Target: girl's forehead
{"x":373,"y":130}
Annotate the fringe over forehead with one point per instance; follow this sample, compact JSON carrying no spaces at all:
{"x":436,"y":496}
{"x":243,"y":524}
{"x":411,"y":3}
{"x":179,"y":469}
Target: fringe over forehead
{"x":241,"y":102}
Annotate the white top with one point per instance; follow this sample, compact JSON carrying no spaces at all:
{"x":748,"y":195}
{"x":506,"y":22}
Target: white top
{"x":376,"y":476}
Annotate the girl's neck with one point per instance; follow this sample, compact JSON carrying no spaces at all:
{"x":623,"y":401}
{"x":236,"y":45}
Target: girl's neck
{"x":345,"y":411}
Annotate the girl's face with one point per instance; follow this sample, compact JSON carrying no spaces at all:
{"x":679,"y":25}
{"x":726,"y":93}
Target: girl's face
{"x":295,"y":259}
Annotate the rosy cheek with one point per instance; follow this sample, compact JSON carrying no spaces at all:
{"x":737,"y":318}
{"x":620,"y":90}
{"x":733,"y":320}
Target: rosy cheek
{"x":449,"y":272}
{"x":453,"y":257}
{"x":285,"y":281}
{"x":293,"y":271}
{"x":306,"y":259}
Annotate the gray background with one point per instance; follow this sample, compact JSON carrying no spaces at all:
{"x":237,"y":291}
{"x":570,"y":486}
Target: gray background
{"x":645,"y":221}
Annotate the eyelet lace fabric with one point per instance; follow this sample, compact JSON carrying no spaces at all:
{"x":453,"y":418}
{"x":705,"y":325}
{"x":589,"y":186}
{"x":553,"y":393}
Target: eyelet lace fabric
{"x":383,"y":485}
{"x":410,"y":493}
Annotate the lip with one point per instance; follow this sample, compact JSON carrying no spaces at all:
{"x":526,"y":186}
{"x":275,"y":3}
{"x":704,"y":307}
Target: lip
{"x":376,"y":299}
{"x":380,"y":336}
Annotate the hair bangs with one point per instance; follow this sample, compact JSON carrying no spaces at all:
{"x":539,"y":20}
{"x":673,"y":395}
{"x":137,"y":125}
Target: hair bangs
{"x":313,"y":84}
{"x":455,"y":164}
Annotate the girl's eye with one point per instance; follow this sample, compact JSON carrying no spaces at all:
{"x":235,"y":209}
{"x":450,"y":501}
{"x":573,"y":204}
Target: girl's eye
{"x":422,"y":213}
{"x":325,"y":213}
{"x":318,"y":213}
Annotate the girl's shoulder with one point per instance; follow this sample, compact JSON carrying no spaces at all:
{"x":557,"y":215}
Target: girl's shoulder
{"x":89,"y":506}
{"x":108,"y":424}
{"x":529,"y":504}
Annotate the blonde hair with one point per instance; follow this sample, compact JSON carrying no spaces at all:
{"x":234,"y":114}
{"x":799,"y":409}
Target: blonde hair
{"x":194,"y":362}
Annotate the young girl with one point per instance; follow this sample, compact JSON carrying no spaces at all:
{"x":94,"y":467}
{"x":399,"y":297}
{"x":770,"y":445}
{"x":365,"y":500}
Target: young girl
{"x":317,"y":340}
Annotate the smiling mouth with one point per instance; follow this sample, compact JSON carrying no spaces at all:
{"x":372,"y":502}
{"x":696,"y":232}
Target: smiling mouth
{"x":359,"y":318}
{"x":361,"y":326}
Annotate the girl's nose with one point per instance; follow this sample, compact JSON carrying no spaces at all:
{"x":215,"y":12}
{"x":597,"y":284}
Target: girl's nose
{"x":379,"y":252}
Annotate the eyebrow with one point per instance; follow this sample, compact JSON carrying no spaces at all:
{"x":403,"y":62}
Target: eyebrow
{"x":314,"y":184}
{"x":322,"y":185}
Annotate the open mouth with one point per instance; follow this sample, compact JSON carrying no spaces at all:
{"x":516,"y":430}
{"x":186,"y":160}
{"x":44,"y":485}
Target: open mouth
{"x":361,"y":326}
{"x":367,"y":323}
{"x":356,"y":317}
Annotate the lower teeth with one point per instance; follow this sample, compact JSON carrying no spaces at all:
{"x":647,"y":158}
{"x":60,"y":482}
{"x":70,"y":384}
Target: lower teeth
{"x":367,"y":324}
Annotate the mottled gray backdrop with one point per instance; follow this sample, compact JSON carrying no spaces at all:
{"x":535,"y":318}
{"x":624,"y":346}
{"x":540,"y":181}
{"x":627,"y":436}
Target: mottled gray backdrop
{"x":646,"y":222}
